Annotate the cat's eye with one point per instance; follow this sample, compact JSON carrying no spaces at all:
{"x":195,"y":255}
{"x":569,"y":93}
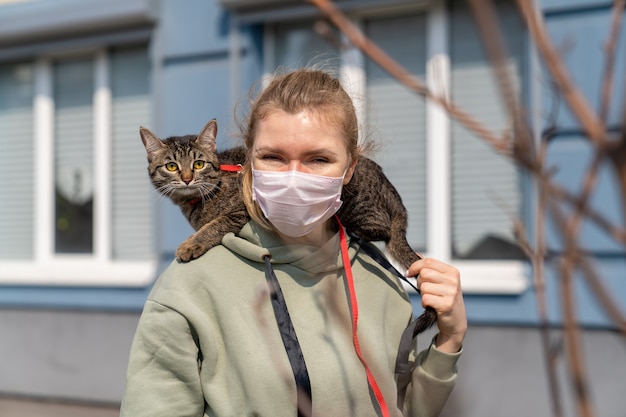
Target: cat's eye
{"x":171,"y":166}
{"x":198,"y":165}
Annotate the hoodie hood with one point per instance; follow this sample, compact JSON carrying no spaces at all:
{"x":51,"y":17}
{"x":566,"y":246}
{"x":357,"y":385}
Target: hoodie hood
{"x":254,"y":243}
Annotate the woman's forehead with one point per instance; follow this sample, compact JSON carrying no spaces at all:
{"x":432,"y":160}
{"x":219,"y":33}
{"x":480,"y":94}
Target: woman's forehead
{"x":304,"y":132}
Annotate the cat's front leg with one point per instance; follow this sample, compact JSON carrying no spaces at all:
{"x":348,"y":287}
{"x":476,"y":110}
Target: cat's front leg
{"x":210,"y":235}
{"x":196,"y":245}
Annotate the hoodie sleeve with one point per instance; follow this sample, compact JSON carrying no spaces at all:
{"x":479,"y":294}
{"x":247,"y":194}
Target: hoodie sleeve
{"x":432,"y":380}
{"x":163,"y":376}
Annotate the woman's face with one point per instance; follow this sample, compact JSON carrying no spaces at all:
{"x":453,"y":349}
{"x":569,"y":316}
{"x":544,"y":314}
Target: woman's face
{"x":301,"y":142}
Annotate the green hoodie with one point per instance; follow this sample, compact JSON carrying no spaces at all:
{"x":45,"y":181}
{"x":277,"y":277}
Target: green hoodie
{"x":207,"y":343}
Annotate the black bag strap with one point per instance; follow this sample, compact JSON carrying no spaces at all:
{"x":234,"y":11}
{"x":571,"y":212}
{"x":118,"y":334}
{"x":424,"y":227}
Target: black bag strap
{"x":290,"y":341}
{"x":402,"y":358}
{"x":380,"y":259}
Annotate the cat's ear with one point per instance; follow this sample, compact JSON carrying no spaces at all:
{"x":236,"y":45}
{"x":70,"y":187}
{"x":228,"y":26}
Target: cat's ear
{"x":208,"y":135}
{"x":151,"y":142}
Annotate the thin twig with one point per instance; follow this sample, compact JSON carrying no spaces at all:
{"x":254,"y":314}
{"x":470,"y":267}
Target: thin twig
{"x":574,"y":224}
{"x":540,"y":289}
{"x":604,"y":296}
{"x":572,"y":95}
{"x":617,"y":233}
{"x":575,"y":356}
{"x":587,"y":188}
{"x":609,"y":65}
{"x":491,"y":35}
{"x":573,"y":342}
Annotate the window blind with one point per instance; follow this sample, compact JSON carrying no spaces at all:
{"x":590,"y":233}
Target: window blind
{"x":73,"y":135}
{"x":486,"y":187}
{"x":297,"y":45}
{"x":398,"y":115}
{"x":16,"y":142}
{"x":132,"y":192}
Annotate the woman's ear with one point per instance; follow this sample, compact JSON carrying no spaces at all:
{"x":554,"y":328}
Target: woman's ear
{"x":350,"y":171}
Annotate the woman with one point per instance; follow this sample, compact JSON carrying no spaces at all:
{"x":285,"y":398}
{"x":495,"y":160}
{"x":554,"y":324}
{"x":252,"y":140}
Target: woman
{"x":210,"y":341}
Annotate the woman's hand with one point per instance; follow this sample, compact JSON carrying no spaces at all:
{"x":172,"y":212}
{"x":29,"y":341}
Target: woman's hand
{"x":440,"y":286}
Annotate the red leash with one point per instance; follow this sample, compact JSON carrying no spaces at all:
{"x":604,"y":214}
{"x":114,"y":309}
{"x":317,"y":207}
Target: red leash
{"x":355,"y":316}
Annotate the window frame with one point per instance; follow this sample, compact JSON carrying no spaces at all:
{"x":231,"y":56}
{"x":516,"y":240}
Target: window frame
{"x":498,"y":277}
{"x":47,"y":267}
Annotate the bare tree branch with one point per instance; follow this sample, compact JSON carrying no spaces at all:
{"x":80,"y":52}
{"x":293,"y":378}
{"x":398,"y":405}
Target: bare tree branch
{"x":550,"y":194}
{"x":609,"y":51}
{"x":573,"y":97}
{"x":617,"y":233}
{"x":540,"y":290}
{"x":407,"y":79}
{"x":487,"y":24}
{"x":575,"y":354}
{"x":604,"y":296}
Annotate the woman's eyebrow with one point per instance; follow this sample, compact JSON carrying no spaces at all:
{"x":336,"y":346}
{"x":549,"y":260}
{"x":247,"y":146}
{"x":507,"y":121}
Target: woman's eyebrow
{"x":318,"y":151}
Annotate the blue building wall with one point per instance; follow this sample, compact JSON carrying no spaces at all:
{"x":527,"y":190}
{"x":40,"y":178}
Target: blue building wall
{"x":193,"y":81}
{"x":580,"y":30}
{"x":196,"y":78}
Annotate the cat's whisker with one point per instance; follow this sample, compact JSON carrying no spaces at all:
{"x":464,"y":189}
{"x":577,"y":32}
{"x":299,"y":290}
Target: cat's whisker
{"x":213,"y":192}
{"x":167,"y":190}
{"x":155,"y":196}
{"x":208,"y":191}
{"x":202,"y":192}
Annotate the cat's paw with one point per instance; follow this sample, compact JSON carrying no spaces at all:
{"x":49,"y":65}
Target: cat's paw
{"x":189,"y":251}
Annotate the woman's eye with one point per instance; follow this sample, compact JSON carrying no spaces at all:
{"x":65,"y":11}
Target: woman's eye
{"x":198,"y":164}
{"x":171,"y":166}
{"x":271,"y":158}
{"x":318,"y":160}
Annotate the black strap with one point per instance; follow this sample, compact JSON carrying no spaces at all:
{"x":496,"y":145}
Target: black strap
{"x":290,"y":341}
{"x":375,"y":254}
{"x":402,"y":358}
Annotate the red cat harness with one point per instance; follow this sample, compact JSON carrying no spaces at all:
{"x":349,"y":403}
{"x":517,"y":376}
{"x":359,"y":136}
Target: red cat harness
{"x":231,"y":168}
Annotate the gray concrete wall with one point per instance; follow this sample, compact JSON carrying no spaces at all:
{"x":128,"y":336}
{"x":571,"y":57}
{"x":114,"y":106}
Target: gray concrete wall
{"x":502,"y":373}
{"x":20,"y":407}
{"x":82,"y":356}
{"x":78,"y":355}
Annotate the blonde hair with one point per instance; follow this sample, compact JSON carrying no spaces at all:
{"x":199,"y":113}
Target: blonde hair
{"x":292,"y":92}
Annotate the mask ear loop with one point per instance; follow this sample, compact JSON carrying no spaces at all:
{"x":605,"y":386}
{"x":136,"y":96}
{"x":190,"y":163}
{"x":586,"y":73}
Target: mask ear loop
{"x":354,"y":308}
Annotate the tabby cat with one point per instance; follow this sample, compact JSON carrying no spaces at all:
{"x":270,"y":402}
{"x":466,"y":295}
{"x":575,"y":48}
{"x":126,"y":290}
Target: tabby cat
{"x":189,"y":171}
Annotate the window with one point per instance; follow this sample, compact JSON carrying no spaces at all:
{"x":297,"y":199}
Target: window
{"x":486,"y":188}
{"x":72,"y":90}
{"x":452,"y":184}
{"x":400,"y":115}
{"x":79,"y":210}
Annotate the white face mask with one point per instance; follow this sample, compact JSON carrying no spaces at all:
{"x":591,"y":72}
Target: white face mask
{"x":295,"y":202}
